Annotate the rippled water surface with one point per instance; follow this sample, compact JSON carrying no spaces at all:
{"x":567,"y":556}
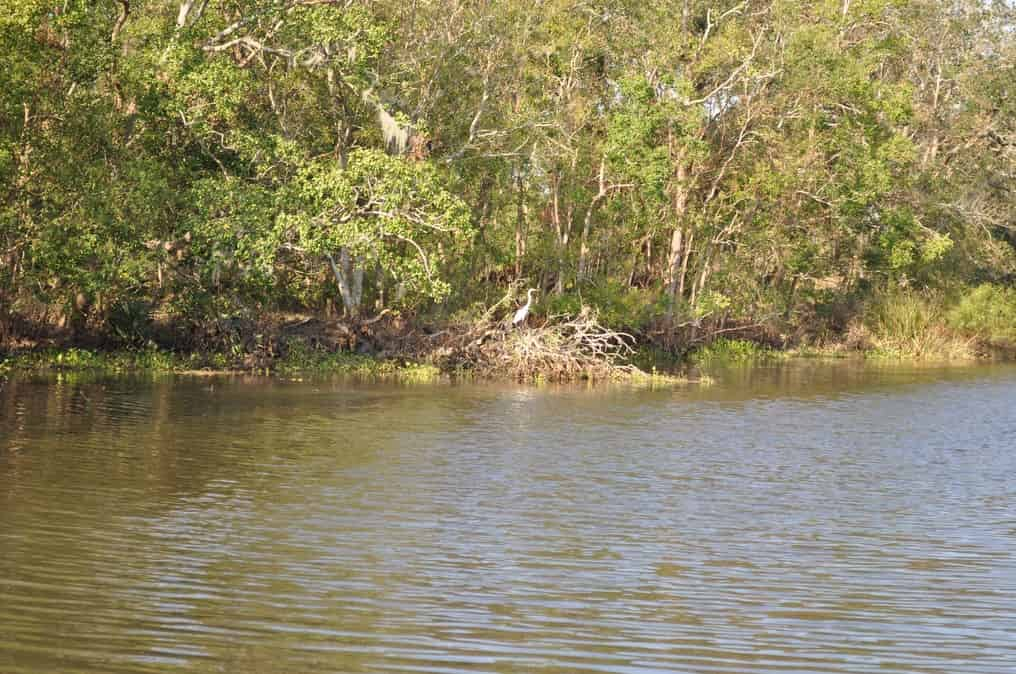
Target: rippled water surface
{"x":806,"y":518}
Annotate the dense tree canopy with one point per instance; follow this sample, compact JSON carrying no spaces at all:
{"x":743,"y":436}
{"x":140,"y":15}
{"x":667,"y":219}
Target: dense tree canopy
{"x":669,"y":161}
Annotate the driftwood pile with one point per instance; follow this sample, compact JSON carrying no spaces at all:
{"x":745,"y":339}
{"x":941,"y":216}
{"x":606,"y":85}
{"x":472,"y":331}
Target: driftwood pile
{"x":564,"y":348}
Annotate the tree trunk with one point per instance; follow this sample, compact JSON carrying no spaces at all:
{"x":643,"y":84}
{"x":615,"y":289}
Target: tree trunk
{"x":562,"y":257}
{"x":601,"y":193}
{"x":674,"y":260}
{"x":678,"y":248}
{"x":697,"y":289}
{"x":684,"y":263}
{"x":559,"y":233}
{"x":349,"y":276}
{"x":520,"y":221}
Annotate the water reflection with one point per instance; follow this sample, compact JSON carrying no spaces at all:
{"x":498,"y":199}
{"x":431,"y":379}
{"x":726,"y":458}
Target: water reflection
{"x":806,"y":518}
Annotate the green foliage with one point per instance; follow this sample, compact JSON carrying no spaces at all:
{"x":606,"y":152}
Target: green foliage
{"x":904,"y":315}
{"x":988,"y":311}
{"x":912,"y":325}
{"x":103,"y":362}
{"x":906,"y":249}
{"x":303,"y":359}
{"x":731,"y":352}
{"x":129,"y":322}
{"x":387,"y":212}
{"x":634,"y":135}
{"x":710,"y":303}
{"x":660,"y":163}
{"x":617,"y":306}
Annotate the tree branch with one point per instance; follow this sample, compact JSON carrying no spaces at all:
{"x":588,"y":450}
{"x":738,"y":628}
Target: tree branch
{"x":125,"y":8}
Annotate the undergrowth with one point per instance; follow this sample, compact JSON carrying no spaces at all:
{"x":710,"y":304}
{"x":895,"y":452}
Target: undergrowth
{"x":87,"y":360}
{"x":912,"y":325}
{"x":732,"y":352}
{"x":987,"y":311}
{"x":302,"y":359}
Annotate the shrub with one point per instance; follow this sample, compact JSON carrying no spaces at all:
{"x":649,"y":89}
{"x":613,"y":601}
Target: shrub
{"x":618,"y":306}
{"x":988,"y":311}
{"x":730,"y":351}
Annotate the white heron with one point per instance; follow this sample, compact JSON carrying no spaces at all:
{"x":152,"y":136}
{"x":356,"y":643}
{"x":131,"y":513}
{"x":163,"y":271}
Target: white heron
{"x":520,"y":315}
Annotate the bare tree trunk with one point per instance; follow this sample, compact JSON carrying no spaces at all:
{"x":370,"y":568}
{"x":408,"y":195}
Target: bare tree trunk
{"x":584,"y":246}
{"x":186,"y":7}
{"x":677,"y":244}
{"x":560,"y":234}
{"x":696,"y":290}
{"x":125,"y":8}
{"x":674,"y":260}
{"x":684,"y":263}
{"x":349,"y":276}
{"x":354,"y":275}
{"x":520,"y":221}
{"x":601,"y":193}
{"x":563,"y":249}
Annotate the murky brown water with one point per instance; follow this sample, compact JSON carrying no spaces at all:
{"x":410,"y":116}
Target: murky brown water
{"x":809,"y":518}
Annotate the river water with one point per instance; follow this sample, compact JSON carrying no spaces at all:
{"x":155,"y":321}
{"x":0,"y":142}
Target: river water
{"x":801,"y":518}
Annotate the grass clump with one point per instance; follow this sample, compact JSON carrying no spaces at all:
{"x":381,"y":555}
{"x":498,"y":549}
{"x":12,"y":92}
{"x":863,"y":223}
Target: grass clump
{"x":908,"y":325}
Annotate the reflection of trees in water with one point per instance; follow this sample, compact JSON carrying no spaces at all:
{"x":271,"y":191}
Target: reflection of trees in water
{"x":818,"y":378}
{"x":145,"y":503}
{"x":120,"y":435}
{"x":272,"y":526}
{"x":171,"y":437}
{"x":155,"y":441}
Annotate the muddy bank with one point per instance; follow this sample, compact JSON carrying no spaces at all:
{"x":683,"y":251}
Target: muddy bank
{"x":386,"y":345}
{"x":560,"y":348}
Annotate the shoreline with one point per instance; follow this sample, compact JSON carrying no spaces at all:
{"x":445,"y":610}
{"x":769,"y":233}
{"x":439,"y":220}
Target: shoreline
{"x":718,"y":354}
{"x":572,"y":346}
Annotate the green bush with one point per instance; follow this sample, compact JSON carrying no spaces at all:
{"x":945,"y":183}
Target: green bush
{"x":988,"y":311}
{"x":617,"y":305}
{"x":731,"y":351}
{"x":130,"y":323}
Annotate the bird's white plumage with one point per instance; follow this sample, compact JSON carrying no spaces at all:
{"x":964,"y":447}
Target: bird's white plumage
{"x":521,"y":314}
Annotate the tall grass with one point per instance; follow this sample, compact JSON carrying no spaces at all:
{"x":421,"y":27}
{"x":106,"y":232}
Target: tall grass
{"x":913,"y":325}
